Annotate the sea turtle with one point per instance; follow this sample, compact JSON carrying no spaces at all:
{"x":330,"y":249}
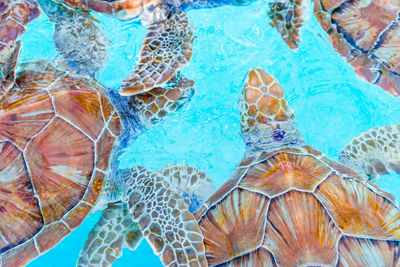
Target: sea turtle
{"x":365,"y":32}
{"x":167,"y":47}
{"x":287,"y":204}
{"x":374,"y":152}
{"x":58,"y":130}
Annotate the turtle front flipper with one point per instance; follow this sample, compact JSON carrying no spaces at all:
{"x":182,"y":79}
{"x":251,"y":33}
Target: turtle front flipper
{"x":374,"y":152}
{"x":152,"y":106}
{"x":14,"y":16}
{"x":77,"y":37}
{"x":167,"y":48}
{"x":164,"y":218}
{"x":287,"y":17}
{"x":114,"y":231}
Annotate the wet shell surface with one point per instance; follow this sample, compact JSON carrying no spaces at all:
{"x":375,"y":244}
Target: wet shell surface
{"x":56,"y":135}
{"x":295,"y":207}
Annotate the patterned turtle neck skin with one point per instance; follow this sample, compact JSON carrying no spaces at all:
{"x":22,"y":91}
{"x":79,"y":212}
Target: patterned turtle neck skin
{"x":271,"y":140}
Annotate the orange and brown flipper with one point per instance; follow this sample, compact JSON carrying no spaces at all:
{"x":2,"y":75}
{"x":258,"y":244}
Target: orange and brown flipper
{"x":14,"y":16}
{"x":154,"y":105}
{"x":167,"y":48}
{"x":287,"y":17}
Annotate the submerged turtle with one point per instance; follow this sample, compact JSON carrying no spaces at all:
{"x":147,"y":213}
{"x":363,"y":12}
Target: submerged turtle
{"x":57,"y":133}
{"x":167,"y":47}
{"x":287,"y":204}
{"x":374,"y":152}
{"x":366,"y":33}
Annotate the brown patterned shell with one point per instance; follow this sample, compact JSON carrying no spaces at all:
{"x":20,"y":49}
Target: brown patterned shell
{"x":295,"y":207}
{"x":56,"y":135}
{"x":367,"y":34}
{"x":122,"y":9}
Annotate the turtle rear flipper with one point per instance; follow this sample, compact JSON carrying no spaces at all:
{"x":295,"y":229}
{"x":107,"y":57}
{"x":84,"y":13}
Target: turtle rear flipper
{"x":114,"y":231}
{"x":374,"y":152}
{"x":167,"y":47}
{"x":193,"y":184}
{"x":287,"y":17}
{"x":8,"y":64}
{"x":77,"y":37}
{"x":164,"y":219}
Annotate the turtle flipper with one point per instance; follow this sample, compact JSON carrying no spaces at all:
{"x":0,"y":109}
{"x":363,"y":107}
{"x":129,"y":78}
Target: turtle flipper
{"x":114,"y":231}
{"x":193,"y":184}
{"x":14,"y":16}
{"x":77,"y":37}
{"x":287,"y":17}
{"x":8,"y":65}
{"x":374,"y":152}
{"x":152,"y":106}
{"x":167,"y":48}
{"x":164,"y":218}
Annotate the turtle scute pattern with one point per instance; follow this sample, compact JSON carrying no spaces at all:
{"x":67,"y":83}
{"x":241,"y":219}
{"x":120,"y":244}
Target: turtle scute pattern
{"x":294,"y":207}
{"x":164,"y":219}
{"x":366,"y":33}
{"x":56,"y":134}
{"x":374,"y":152}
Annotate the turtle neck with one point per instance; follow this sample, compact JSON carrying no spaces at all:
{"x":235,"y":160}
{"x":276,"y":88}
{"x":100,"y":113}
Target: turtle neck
{"x":271,"y":140}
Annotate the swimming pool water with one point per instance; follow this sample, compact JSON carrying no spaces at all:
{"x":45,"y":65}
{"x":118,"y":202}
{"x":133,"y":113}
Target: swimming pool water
{"x":331,"y":104}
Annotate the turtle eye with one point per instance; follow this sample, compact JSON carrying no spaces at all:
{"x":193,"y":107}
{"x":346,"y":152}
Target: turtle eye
{"x":278,"y":135}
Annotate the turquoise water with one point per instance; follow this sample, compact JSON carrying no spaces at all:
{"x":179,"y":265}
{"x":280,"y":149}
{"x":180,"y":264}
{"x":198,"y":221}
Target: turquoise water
{"x":331,"y":104}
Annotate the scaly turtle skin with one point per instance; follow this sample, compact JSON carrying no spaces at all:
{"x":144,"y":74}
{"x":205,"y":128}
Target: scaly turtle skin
{"x":366,"y":33}
{"x":57,"y":134}
{"x":374,"y":152}
{"x":287,"y":204}
{"x":168,"y":226}
{"x":167,"y":47}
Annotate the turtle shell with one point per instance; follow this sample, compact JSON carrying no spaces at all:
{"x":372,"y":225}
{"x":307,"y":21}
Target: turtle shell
{"x":367,"y":34}
{"x":295,"y":207}
{"x":56,"y":135}
{"x":125,"y":9}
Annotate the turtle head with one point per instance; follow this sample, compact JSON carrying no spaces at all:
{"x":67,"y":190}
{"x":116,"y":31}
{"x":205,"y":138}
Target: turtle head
{"x":266,"y":119}
{"x":153,"y":106}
